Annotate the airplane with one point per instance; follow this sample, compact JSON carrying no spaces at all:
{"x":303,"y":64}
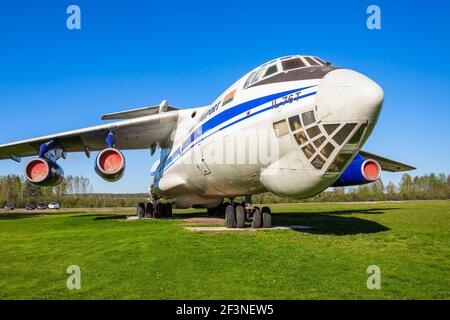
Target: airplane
{"x":294,"y":126}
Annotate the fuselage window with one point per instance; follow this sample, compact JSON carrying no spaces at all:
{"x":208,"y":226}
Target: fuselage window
{"x":300,"y":137}
{"x":340,"y":162}
{"x":330,"y":128}
{"x":308,"y":118}
{"x":308,"y":151}
{"x":311,"y":61}
{"x":292,"y":64}
{"x":271,"y":70}
{"x":318,"y":162}
{"x":294,"y":123}
{"x":357,"y":136}
{"x":313,"y":131}
{"x":281,"y":128}
{"x":327,"y":150}
{"x":318,"y":142}
{"x":342,"y":134}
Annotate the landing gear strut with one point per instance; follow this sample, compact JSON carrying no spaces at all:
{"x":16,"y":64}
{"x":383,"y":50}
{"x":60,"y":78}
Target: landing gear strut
{"x":237,"y":214}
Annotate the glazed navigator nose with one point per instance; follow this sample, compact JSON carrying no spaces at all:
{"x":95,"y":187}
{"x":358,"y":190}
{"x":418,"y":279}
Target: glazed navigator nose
{"x":346,"y":95}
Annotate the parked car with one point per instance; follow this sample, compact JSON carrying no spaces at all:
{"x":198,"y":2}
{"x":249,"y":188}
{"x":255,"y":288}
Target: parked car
{"x":30,"y":206}
{"x":54,"y":205}
{"x":42,"y":206}
{"x":9,"y":207}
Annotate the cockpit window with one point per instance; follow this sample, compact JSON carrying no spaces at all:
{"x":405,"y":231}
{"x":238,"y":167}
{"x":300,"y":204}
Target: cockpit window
{"x":292,"y":64}
{"x":271,"y":70}
{"x":290,"y":68}
{"x":257,"y":76}
{"x":249,"y":78}
{"x":320,"y":61}
{"x":311,"y":61}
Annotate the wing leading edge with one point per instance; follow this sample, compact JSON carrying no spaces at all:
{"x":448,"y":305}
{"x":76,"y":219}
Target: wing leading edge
{"x":387,"y":164}
{"x":137,"y":133}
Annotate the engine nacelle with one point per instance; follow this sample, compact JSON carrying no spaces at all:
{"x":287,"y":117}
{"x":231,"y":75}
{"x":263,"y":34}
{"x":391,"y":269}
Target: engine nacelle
{"x":110,"y":164}
{"x":43,"y":172}
{"x":359,"y":171}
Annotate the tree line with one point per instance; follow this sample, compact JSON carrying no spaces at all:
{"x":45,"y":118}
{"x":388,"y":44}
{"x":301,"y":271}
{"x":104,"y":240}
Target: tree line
{"x":73,"y":192}
{"x":77,"y":192}
{"x":426,"y":187}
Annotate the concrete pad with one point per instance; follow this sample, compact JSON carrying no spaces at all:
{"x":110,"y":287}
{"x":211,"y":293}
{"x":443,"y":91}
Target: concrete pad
{"x":225,"y":229}
{"x":131,"y":218}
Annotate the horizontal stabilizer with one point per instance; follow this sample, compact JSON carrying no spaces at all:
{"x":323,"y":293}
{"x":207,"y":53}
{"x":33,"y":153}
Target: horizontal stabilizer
{"x":387,"y":164}
{"x":140,"y":112}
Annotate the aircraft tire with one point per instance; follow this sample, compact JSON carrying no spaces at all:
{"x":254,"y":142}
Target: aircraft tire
{"x":168,"y":210}
{"x":240,"y":217}
{"x":230,"y":217}
{"x":257,"y":219}
{"x":141,"y":210}
{"x":220,"y":211}
{"x":159,"y":212}
{"x":266,"y":217}
{"x":149,"y":210}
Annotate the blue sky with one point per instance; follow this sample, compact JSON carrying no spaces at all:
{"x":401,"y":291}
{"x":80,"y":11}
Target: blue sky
{"x":135,"y":53}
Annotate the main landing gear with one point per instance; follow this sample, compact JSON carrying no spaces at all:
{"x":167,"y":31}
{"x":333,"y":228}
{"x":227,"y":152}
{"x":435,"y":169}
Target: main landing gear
{"x":154,"y":209}
{"x":236,"y":215}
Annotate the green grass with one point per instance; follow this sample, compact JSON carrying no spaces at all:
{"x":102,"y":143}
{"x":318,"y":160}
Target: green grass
{"x":159,"y":259}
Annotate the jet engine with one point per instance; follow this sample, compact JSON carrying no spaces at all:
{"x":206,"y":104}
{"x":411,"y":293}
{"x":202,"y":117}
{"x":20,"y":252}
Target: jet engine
{"x":110,"y":164}
{"x":43,"y":172}
{"x":359,"y":171}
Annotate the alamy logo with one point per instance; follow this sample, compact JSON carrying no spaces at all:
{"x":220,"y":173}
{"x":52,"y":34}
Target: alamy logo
{"x":74,"y":280}
{"x":73,"y":21}
{"x":374,"y":280}
{"x":374,"y":20}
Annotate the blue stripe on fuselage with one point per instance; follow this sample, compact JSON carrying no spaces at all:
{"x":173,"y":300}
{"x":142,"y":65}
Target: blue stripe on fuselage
{"x":227,"y":115}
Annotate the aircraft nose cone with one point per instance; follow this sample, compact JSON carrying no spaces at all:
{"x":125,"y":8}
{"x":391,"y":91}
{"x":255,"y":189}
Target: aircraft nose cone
{"x":346,"y":95}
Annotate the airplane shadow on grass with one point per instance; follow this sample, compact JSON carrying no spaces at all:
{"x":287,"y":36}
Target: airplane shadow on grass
{"x":20,"y":215}
{"x":332,"y":222}
{"x":321,"y":223}
{"x":327,"y":222}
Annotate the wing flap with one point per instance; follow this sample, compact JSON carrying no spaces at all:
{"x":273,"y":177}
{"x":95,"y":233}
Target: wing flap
{"x":387,"y":164}
{"x":137,"y":133}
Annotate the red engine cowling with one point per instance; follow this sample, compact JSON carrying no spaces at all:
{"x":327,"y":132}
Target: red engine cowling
{"x":110,"y":164}
{"x":43,"y":172}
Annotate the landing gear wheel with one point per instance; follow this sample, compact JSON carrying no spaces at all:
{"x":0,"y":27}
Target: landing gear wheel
{"x":211,"y":212}
{"x":149,"y":210}
{"x":159,"y":210}
{"x":257,"y":219}
{"x":230,"y":217}
{"x":240,"y":217}
{"x":266,"y":217}
{"x":141,"y":210}
{"x":168,"y":210}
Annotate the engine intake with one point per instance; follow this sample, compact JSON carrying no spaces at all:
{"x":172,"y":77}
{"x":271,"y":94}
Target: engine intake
{"x":110,"y":164}
{"x":359,"y":171}
{"x":43,"y":172}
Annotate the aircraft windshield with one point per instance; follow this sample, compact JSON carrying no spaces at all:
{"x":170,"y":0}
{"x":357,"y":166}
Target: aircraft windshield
{"x":282,"y":65}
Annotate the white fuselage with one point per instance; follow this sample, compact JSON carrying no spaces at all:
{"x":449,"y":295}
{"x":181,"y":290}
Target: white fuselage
{"x":292,"y":133}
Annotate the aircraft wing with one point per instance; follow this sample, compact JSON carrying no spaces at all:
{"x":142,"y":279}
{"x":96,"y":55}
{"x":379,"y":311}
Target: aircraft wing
{"x":135,"y":113}
{"x":135,"y":133}
{"x":387,"y":164}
